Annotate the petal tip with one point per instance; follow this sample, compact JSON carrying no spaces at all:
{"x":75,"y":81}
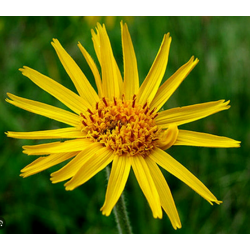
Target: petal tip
{"x":7,"y":100}
{"x":177,"y":226}
{"x":23,"y":175}
{"x":68,"y":188}
{"x":105,"y":212}
{"x":218,"y":202}
{"x":22,"y":69}
{"x":54,"y":40}
{"x":55,"y":43}
{"x":53,"y":181}
{"x":9,"y":95}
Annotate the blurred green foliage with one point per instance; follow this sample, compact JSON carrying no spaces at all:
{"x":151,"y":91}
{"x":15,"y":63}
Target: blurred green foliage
{"x":222,"y":44}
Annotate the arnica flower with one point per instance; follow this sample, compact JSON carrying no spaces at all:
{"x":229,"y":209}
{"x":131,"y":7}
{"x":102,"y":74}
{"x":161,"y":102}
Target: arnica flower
{"x":121,"y":125}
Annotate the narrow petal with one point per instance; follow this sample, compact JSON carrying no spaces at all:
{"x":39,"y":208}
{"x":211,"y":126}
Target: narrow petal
{"x":74,"y":165}
{"x":147,"y":184}
{"x":169,"y":86}
{"x":64,"y":95}
{"x":96,"y":43}
{"x":45,"y":110}
{"x":82,"y":84}
{"x":94,"y":165}
{"x":168,"y":137}
{"x":152,"y":82}
{"x":57,"y":147}
{"x":93,"y":68}
{"x":111,"y":76}
{"x":43,"y":163}
{"x":61,"y":133}
{"x":166,"y":197}
{"x":98,"y":48}
{"x":189,"y":113}
{"x":191,"y":138}
{"x":117,"y":180}
{"x":131,"y":78}
{"x":175,"y":168}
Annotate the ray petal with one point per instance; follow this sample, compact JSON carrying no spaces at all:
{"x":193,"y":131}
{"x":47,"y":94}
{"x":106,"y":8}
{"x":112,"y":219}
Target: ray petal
{"x":74,"y":165}
{"x":61,"y":133}
{"x":117,"y":180}
{"x":46,"y":162}
{"x":189,"y":113}
{"x":80,"y":81}
{"x":96,"y":43}
{"x":64,"y":95}
{"x":93,"y":68}
{"x":111,"y":76}
{"x":57,"y":147}
{"x":147,"y":184}
{"x":169,"y":86}
{"x":152,"y":81}
{"x":191,"y":138}
{"x":94,"y":165}
{"x":166,"y":197}
{"x":44,"y":110}
{"x":175,"y":168}
{"x":131,"y":78}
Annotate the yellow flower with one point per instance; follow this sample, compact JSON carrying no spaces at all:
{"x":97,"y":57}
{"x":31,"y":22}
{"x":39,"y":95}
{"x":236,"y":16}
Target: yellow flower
{"x":121,"y":124}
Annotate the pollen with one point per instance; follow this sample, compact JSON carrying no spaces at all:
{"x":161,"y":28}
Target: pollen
{"x":124,"y":126}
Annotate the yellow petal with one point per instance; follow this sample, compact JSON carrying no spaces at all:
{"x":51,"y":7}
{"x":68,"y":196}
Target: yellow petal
{"x":64,"y":95}
{"x":61,"y":133}
{"x":147,"y":184}
{"x":190,"y":113}
{"x":96,"y":43}
{"x":175,"y":168}
{"x":131,"y":78}
{"x":191,"y":138}
{"x":82,"y":84}
{"x":57,"y":147}
{"x":151,"y":83}
{"x":169,"y":86}
{"x":117,"y":180}
{"x":74,"y":165}
{"x":166,"y":197}
{"x":168,"y":137}
{"x":43,"y":163}
{"x":111,"y":76}
{"x":97,"y":46}
{"x":93,"y":68}
{"x":94,"y":165}
{"x":45,"y":110}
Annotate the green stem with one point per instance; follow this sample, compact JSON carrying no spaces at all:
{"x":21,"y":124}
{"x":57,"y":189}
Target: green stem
{"x":120,"y":212}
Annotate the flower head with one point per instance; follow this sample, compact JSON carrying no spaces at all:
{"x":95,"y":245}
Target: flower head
{"x":121,"y":124}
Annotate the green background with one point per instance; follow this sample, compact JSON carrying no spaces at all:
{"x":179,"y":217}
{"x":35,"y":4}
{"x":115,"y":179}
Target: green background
{"x":222,"y":44}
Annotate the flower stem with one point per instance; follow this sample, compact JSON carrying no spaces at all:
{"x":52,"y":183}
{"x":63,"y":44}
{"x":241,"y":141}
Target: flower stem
{"x":120,"y":212}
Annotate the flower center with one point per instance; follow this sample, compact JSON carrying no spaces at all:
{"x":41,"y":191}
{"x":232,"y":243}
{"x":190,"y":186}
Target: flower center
{"x":124,"y":126}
